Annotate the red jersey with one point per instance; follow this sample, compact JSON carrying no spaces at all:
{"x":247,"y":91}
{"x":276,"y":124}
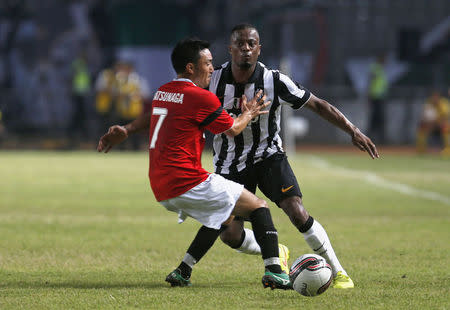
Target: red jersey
{"x":181,"y":112}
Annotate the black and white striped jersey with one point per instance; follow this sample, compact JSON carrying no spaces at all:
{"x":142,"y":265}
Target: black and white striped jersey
{"x":261,"y":138}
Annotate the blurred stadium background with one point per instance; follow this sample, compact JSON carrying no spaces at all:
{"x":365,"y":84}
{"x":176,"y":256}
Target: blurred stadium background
{"x":82,"y":230}
{"x":54,"y":54}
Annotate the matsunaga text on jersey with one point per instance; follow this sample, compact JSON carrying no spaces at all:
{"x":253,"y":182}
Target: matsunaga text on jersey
{"x":169,"y":97}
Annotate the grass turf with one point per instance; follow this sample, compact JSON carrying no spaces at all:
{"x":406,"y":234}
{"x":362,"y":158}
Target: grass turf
{"x":82,"y":230}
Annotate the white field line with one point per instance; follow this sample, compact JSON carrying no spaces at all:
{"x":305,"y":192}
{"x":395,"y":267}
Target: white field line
{"x":376,"y":180}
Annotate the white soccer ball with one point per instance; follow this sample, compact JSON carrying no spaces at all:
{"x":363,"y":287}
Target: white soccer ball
{"x":310,"y":275}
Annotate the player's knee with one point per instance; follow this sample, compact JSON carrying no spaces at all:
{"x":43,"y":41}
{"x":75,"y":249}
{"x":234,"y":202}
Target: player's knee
{"x":293,"y":207}
{"x":231,"y":238}
{"x":261,"y":203}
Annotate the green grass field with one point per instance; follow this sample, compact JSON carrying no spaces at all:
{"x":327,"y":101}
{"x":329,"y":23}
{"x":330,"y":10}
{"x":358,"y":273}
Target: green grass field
{"x":82,"y":230}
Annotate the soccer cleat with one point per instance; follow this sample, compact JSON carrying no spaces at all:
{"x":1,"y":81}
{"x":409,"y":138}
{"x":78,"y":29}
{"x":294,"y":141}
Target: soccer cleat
{"x":176,"y":279}
{"x":276,"y":280}
{"x":342,"y":281}
{"x":284,"y":257}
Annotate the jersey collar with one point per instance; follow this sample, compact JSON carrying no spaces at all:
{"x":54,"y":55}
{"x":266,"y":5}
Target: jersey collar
{"x":253,"y":78}
{"x":184,"y":80}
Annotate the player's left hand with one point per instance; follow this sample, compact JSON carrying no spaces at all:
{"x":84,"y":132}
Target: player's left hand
{"x":115,"y":135}
{"x":364,"y":143}
{"x":256,"y":106}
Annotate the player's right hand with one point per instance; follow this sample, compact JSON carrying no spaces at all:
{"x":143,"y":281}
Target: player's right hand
{"x":115,"y":135}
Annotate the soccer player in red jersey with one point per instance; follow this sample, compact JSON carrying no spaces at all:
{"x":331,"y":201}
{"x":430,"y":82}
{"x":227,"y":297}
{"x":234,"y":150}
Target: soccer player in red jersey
{"x":181,"y":111}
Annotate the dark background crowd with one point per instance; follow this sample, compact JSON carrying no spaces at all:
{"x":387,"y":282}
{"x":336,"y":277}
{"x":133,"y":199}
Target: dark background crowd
{"x":69,"y":69}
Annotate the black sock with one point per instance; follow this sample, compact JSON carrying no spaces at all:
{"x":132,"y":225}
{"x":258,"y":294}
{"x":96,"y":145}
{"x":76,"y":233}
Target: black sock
{"x":266,"y":235}
{"x":305,"y":227}
{"x":274,"y":268}
{"x":185,"y":270}
{"x":202,"y":242}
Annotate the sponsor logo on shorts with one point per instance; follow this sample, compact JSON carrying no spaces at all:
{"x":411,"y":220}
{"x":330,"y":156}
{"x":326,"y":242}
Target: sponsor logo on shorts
{"x":285,"y":189}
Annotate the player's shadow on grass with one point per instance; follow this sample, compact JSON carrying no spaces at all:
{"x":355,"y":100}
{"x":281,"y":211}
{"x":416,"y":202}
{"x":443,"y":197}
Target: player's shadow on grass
{"x":84,"y":285}
{"x":78,"y":284}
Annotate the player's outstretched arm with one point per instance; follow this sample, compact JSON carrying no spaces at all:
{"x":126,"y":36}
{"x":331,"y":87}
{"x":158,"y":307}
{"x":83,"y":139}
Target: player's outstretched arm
{"x":250,"y":110}
{"x":334,"y":116}
{"x":117,"y":134}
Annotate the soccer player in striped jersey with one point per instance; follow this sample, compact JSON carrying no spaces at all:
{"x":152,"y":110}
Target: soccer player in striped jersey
{"x":181,"y":111}
{"x":255,"y":158}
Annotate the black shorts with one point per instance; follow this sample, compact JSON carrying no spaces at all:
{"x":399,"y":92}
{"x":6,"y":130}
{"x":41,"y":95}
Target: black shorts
{"x":273,"y":176}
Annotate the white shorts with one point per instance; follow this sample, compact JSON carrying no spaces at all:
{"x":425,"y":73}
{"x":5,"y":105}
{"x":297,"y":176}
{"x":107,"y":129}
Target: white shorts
{"x":210,"y":202}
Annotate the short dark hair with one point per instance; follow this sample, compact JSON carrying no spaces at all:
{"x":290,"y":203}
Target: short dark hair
{"x":242,"y":27}
{"x":186,"y":51}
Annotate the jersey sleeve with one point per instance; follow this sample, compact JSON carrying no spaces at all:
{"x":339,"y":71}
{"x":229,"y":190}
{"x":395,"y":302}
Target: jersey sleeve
{"x":212,"y":116}
{"x":290,"y":92}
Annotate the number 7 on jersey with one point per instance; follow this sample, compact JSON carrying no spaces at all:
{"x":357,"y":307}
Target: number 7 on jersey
{"x":162,"y":112}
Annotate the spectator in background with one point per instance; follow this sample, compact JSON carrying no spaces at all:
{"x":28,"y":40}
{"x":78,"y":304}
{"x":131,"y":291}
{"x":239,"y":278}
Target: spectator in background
{"x":121,"y":96}
{"x":435,"y":118}
{"x":378,"y":88}
{"x":47,"y":97}
{"x":106,"y":92}
{"x":133,"y":91}
{"x":81,"y":89}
